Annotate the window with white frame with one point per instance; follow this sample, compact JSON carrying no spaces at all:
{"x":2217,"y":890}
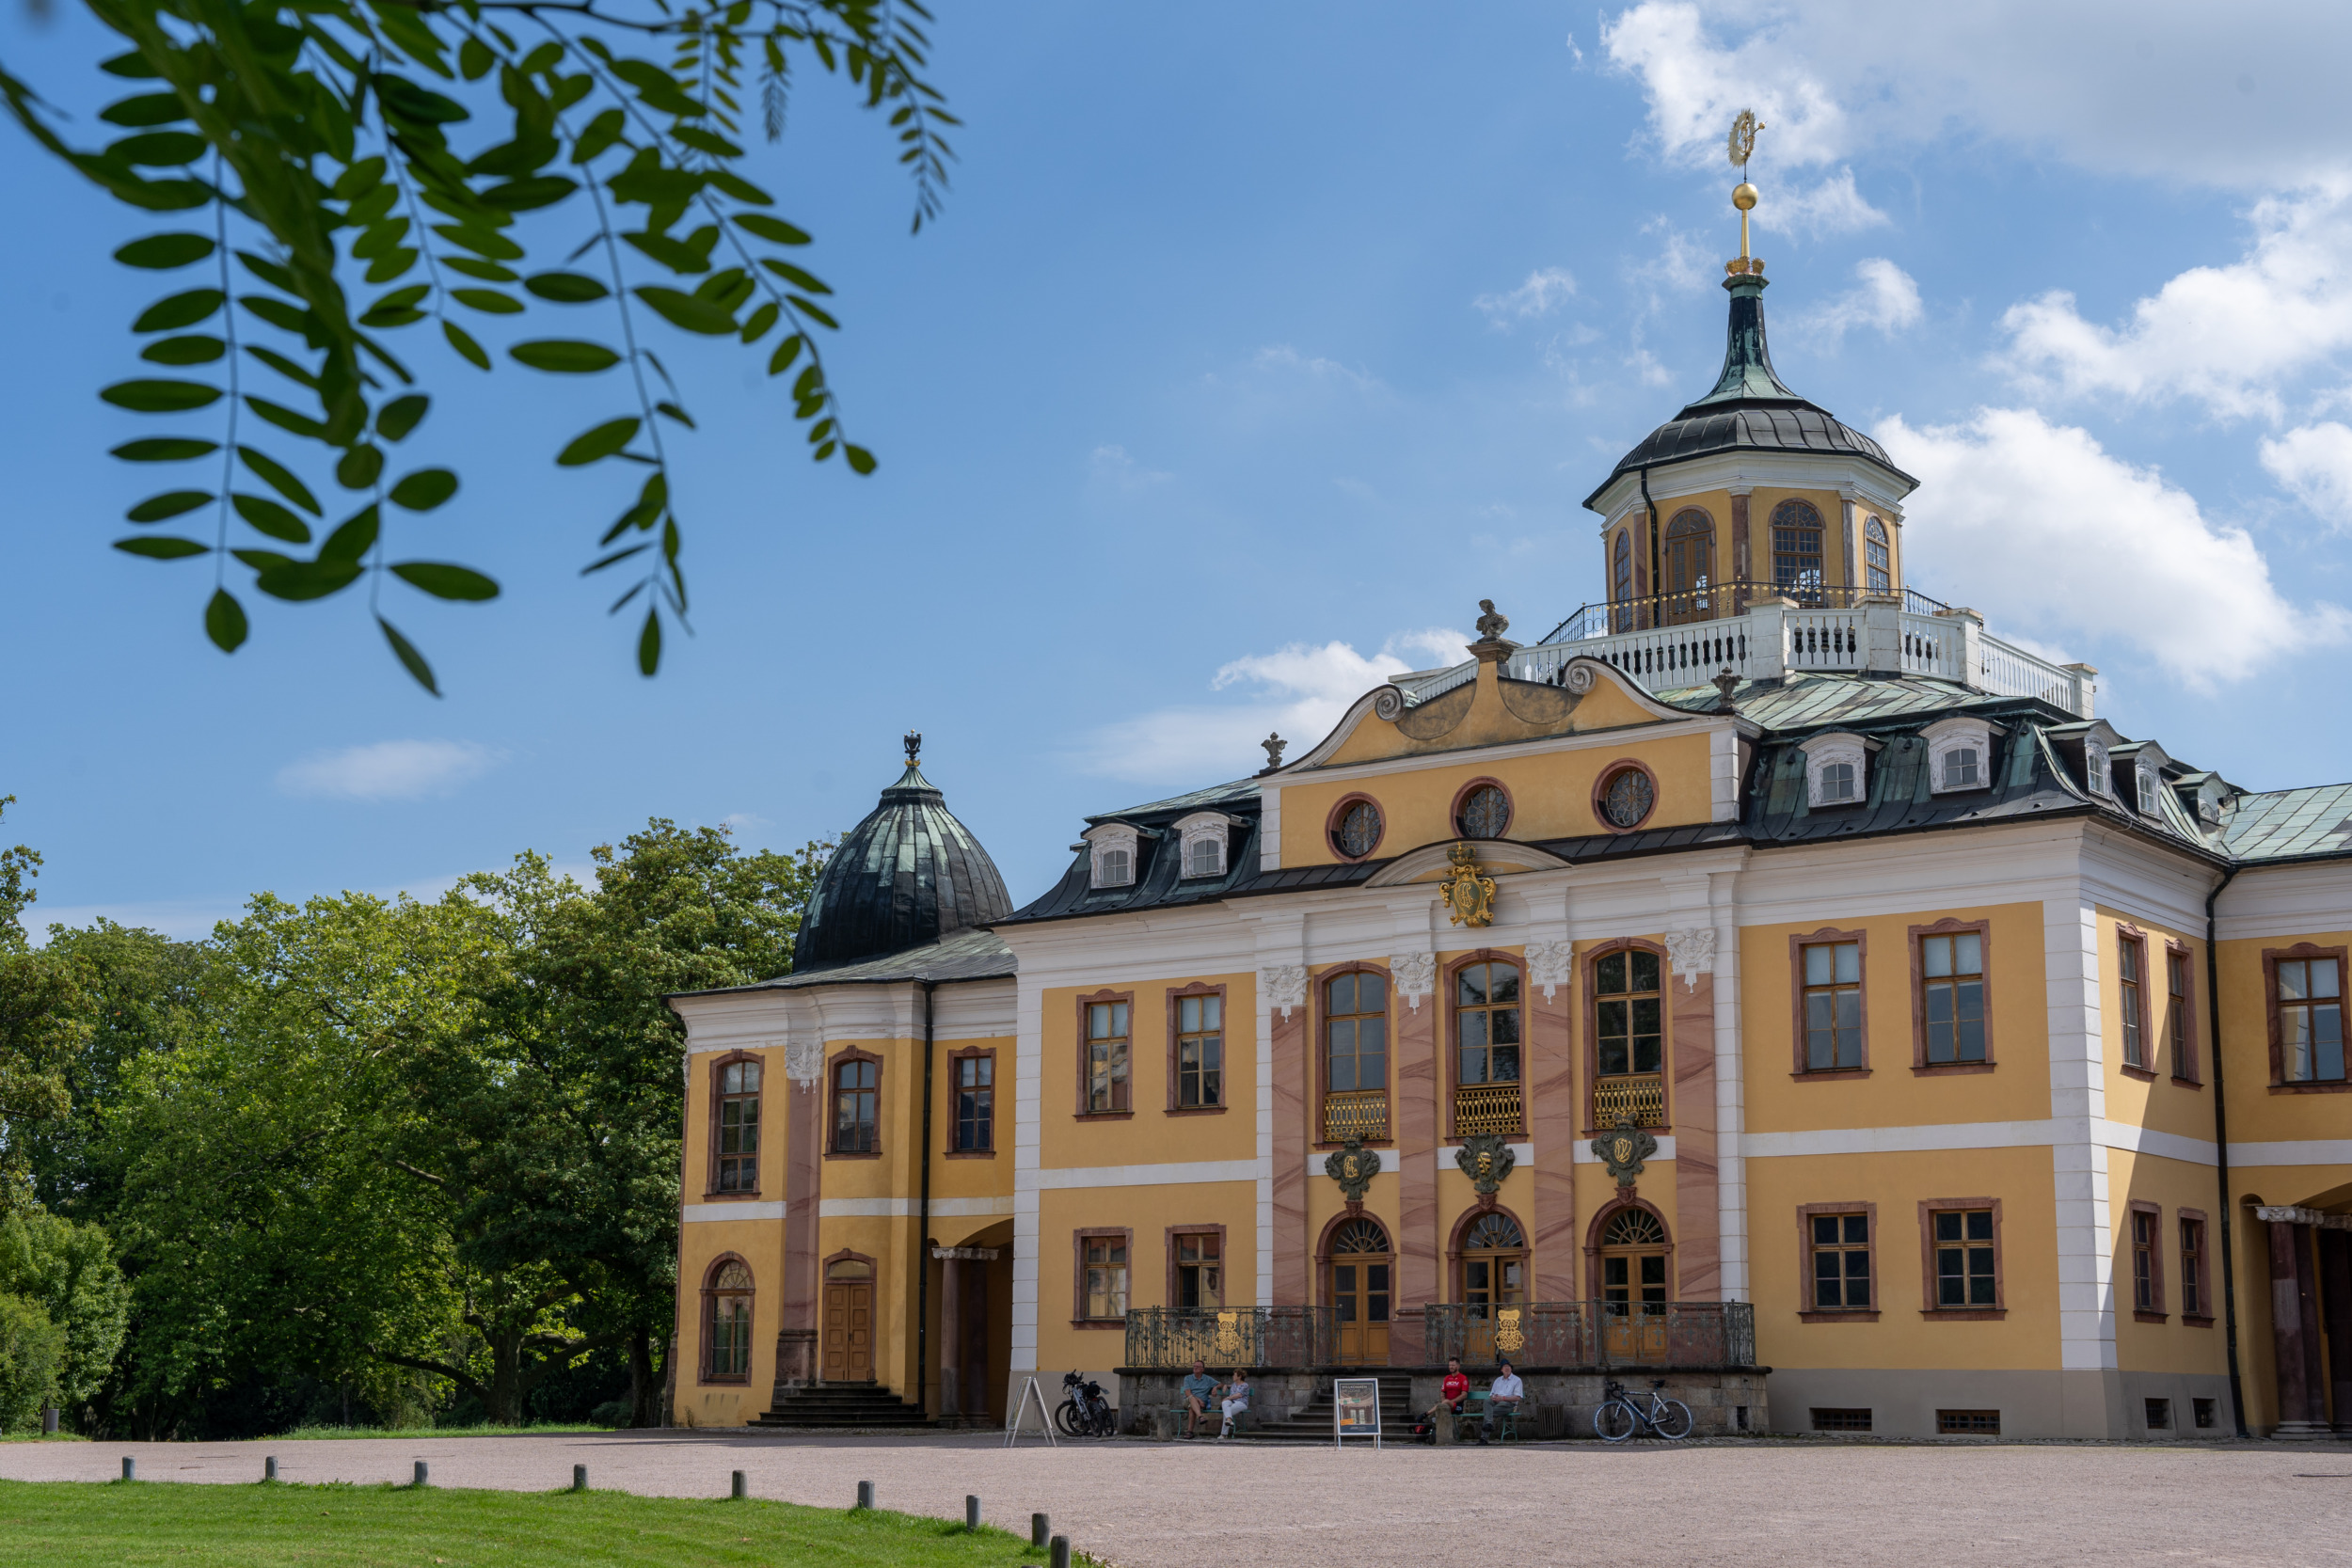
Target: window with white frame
{"x":1836,"y":769}
{"x":1959,"y":754}
{"x":2097,"y":771}
{"x":2149,"y":786}
{"x":1204,"y":836}
{"x":1113,"y":844}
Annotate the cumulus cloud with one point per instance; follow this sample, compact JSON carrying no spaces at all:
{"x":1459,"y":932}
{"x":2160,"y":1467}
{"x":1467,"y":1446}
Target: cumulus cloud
{"x":1883,"y":300}
{"x":1833,"y":207}
{"x":2240,"y":96}
{"x":2314,"y":462}
{"x":2226,"y":335}
{"x":1545,"y":288}
{"x":387,"y":770}
{"x":1299,"y":690}
{"x":2019,"y":514}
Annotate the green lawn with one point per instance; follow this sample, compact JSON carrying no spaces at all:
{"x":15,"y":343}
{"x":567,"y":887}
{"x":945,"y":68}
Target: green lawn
{"x":272,"y":1524}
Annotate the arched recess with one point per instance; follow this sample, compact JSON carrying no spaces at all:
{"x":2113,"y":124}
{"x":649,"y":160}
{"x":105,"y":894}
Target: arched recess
{"x":1596,"y":1244}
{"x":727,"y":1318}
{"x":1356,"y":1256}
{"x":1475,"y":1235}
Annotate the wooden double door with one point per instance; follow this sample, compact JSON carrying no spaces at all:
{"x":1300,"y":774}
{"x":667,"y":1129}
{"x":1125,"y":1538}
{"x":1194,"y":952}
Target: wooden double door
{"x":848,"y":1328}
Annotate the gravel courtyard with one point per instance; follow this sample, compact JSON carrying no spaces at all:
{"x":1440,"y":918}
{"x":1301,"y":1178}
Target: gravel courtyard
{"x":1192,"y":1505}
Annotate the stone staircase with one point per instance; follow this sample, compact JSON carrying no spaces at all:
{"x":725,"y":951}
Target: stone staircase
{"x":1311,"y":1421}
{"x":843,"y":1407}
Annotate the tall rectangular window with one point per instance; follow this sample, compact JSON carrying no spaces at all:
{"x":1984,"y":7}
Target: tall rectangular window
{"x":1200,"y":1271}
{"x":1967,"y":1269}
{"x":2192,"y":1268}
{"x":1104,"y":1286}
{"x":2130,"y":965}
{"x":1833,"y":1005}
{"x":739,"y":1128}
{"x":2311,"y":1020}
{"x":2176,"y":1014}
{"x":1951,"y":971}
{"x":1628,"y":1039}
{"x":2145,"y":1280}
{"x":857,"y":1107}
{"x":975,"y":1104}
{"x":1106,"y":1056}
{"x":1354,"y":1057}
{"x":1199,"y":1051}
{"x":1841,"y":1262}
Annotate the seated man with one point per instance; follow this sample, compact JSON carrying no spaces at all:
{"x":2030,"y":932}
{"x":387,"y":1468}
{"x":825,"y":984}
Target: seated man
{"x":1505,"y":1393}
{"x":1236,"y":1401}
{"x":1198,"y":1389}
{"x":1449,"y":1394}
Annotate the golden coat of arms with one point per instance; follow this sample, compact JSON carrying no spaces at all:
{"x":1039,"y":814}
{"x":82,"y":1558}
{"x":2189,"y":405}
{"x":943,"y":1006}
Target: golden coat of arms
{"x":1469,"y":893}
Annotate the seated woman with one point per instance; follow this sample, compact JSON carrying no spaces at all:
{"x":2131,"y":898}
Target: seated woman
{"x":1236,"y":1401}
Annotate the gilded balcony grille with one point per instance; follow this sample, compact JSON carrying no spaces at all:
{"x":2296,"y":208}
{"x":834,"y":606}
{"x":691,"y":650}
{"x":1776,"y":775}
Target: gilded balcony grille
{"x":1638,"y":1095}
{"x":1690,"y":1334}
{"x":1355,"y":1113}
{"x":1168,"y":1336}
{"x":1486,"y":1108}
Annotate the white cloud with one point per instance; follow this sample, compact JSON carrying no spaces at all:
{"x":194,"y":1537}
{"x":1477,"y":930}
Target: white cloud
{"x":1677,"y":263}
{"x":2241,"y":96}
{"x":2314,"y":462}
{"x":2015,"y":513}
{"x":1298,"y":691}
{"x":1833,"y":207}
{"x":387,"y":770}
{"x":1280,"y":358}
{"x":1111,"y":466}
{"x":2227,"y":335}
{"x":1884,"y":300}
{"x":1545,"y":288}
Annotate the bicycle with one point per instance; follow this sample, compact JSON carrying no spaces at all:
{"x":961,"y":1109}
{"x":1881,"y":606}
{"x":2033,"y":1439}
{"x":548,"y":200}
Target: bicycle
{"x":1087,"y":1413}
{"x":1620,"y":1415}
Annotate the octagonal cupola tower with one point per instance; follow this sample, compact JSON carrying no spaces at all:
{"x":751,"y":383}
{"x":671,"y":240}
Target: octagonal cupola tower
{"x":1750,"y":491}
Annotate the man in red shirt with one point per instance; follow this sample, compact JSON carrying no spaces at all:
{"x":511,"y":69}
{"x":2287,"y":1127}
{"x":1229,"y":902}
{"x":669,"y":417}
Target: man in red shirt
{"x":1450,"y":1395}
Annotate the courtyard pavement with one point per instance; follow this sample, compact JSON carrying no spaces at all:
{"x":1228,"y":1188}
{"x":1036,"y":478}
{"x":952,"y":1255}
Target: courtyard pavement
{"x":1204,"y":1505}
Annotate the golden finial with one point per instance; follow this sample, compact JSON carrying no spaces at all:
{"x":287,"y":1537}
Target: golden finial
{"x":1741,"y":147}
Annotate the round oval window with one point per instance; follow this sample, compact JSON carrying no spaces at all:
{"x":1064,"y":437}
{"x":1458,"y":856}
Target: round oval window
{"x":1628,"y":797}
{"x":1359,"y":833}
{"x":1484,"y":814}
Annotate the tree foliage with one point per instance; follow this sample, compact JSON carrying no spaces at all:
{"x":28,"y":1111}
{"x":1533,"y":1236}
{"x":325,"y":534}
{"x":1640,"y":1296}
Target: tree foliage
{"x":68,"y":1272}
{"x":365,"y":182}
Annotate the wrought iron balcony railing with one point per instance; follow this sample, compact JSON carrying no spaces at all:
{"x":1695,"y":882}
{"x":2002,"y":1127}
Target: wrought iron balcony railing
{"x":1355,"y":1113}
{"x":1486,"y":1108}
{"x":1638,"y":1095}
{"x":1233,"y":1337}
{"x":1692,"y":1335}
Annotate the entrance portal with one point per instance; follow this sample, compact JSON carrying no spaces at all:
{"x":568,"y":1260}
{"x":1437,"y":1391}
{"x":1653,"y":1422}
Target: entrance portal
{"x":1356,"y":1278}
{"x":849,"y":1355}
{"x":1633,"y":1286}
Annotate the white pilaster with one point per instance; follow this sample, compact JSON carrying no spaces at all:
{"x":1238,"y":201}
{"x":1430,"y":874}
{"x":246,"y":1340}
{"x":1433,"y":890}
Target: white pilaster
{"x":1731,"y":1164}
{"x":1028,"y":1054}
{"x":2078,"y":1156}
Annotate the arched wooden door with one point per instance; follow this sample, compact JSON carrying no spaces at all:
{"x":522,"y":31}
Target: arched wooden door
{"x":1633,"y":1286}
{"x":1690,"y":568}
{"x":849,"y":1338}
{"x":1356,"y":1278}
{"x":1493,"y":1280}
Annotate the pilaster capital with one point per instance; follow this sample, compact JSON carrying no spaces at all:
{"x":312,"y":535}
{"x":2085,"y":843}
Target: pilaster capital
{"x":1415,"y":977}
{"x":1283,"y":985}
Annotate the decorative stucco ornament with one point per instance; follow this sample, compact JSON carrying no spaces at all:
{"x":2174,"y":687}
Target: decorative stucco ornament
{"x":1469,"y":893}
{"x":803,"y":1060}
{"x":1549,"y":965}
{"x":1487,"y":1159}
{"x":1578,"y":677}
{"x":1285,"y":985}
{"x":1227,"y":1335}
{"x":1415,"y":977}
{"x":1353,"y":1167}
{"x":1692,"y":954}
{"x":1624,"y":1149}
{"x":1509,"y":1338}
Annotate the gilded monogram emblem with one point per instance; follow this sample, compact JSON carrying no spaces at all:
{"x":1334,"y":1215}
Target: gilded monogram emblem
{"x":1624,"y":1151}
{"x":1469,"y":893}
{"x":1509,"y":1339}
{"x":1228,"y":1334}
{"x":1486,"y":1160}
{"x":1353,"y":1167}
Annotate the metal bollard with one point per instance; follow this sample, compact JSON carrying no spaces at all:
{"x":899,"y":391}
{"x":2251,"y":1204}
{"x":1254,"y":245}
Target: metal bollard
{"x":737,"y":1489}
{"x":421,"y":1475}
{"x":1061,"y":1552}
{"x":130,"y":1468}
{"x":1039,"y":1528}
{"x":865,"y":1494}
{"x":49,"y":1420}
{"x":579,"y":1478}
{"x":971,"y":1513}
{"x":269,"y":1469}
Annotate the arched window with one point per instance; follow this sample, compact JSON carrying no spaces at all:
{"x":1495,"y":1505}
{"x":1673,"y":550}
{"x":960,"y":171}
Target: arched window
{"x":1494,"y":1264}
{"x":1634,"y":1265}
{"x":1878,"y":558}
{"x":1356,"y":1058}
{"x":739,"y":1128}
{"x":1485,"y":812}
{"x":1797,"y":551}
{"x":1621,"y":580}
{"x":727,"y":1322}
{"x":1487,"y":1049}
{"x":1690,"y":566}
{"x":857,"y":1106}
{"x":1629,"y":1038}
{"x":1356,"y":1282}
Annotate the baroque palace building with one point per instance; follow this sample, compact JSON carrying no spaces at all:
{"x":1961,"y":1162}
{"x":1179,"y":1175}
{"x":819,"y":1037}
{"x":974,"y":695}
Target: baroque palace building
{"x":1771,"y":978}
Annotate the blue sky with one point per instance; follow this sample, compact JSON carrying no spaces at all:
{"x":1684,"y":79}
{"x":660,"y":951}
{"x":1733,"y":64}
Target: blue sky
{"x":1255,"y":345}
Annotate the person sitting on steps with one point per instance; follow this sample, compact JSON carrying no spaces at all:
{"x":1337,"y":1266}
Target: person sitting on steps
{"x":1236,"y":1402}
{"x":1198,"y":1389}
{"x":1503,"y":1395}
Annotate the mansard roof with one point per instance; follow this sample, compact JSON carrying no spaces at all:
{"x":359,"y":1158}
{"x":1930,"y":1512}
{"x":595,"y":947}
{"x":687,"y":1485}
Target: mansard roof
{"x":2291,"y":824}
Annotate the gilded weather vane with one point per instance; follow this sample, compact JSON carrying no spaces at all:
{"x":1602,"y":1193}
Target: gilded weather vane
{"x":1741,"y":146}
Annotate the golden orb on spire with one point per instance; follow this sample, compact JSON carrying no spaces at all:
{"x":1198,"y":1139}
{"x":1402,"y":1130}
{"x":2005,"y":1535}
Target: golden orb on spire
{"x":1741,"y":147}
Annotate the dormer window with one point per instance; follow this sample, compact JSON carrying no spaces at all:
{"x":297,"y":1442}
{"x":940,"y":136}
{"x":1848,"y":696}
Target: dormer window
{"x":1115,"y":868}
{"x":1837,"y":785}
{"x":1204,"y":859}
{"x":1113,"y":844}
{"x":1959,"y":754}
{"x":2097,"y":771}
{"x":1964,"y":768}
{"x":2149,"y":789}
{"x":1203,"y":837}
{"x":1836,"y":769}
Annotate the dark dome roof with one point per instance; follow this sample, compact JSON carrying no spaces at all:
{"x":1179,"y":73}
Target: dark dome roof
{"x":1750,"y":408}
{"x":906,"y":875}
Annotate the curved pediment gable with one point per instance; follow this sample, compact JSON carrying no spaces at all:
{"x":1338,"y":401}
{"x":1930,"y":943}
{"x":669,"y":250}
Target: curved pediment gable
{"x":1495,"y":856}
{"x":1491,"y":709}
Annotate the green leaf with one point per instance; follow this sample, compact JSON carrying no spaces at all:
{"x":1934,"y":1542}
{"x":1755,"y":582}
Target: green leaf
{"x":462,"y":341}
{"x":176,"y":311}
{"x":286,"y":317}
{"x":738,"y":187}
{"x":482,"y":242}
{"x":134,"y":65}
{"x":474,"y":59}
{"x":649,"y":644}
{"x":564,"y":356}
{"x":410,"y":101}
{"x":813,"y":311}
{"x":489,"y":272}
{"x":165,"y":449}
{"x":770,"y":228}
{"x":565,"y":288}
{"x":286,"y":418}
{"x":183,"y":350}
{"x":160,"y":397}
{"x":521,"y":196}
{"x":671,"y":251}
{"x":488,"y":300}
{"x":445,"y":582}
{"x":354,"y":537}
{"x":357,"y":469}
{"x":795,"y":276}
{"x":161,"y":547}
{"x":271,"y":518}
{"x":675,"y":412}
{"x":860,"y":459}
{"x":149,"y":108}
{"x":162,"y":196}
{"x":757,"y":326}
{"x":224,"y":621}
{"x":614,"y":559}
{"x":160,"y":149}
{"x":785,"y":353}
{"x":301,"y":582}
{"x":683,"y":309}
{"x":396,"y":418}
{"x":410,"y":660}
{"x":391,"y":264}
{"x":707,"y":141}
{"x":602,"y":132}
{"x":162,"y":253}
{"x":359,"y":179}
{"x":155,"y":509}
{"x":279,"y":480}
{"x":424,"y":489}
{"x":599,"y":443}
{"x":371,"y":208}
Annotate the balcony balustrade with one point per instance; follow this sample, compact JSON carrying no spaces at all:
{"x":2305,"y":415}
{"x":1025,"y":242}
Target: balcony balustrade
{"x":1486,"y":1108}
{"x":1355,"y":1113}
{"x":1689,"y":1335}
{"x":1233,"y":1337}
{"x":1638,"y":1095}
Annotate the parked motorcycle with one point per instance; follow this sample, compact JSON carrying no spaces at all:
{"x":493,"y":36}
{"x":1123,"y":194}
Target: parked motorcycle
{"x":1086,"y":1412}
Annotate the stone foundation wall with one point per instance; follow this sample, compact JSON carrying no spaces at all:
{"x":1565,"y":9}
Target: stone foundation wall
{"x":1721,"y":1403}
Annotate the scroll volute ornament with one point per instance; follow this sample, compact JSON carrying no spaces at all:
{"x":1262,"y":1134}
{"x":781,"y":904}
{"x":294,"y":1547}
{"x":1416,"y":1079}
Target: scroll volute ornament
{"x":1487,"y":1159}
{"x":1353,"y":1167}
{"x":1624,"y":1149}
{"x":1469,"y":893}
